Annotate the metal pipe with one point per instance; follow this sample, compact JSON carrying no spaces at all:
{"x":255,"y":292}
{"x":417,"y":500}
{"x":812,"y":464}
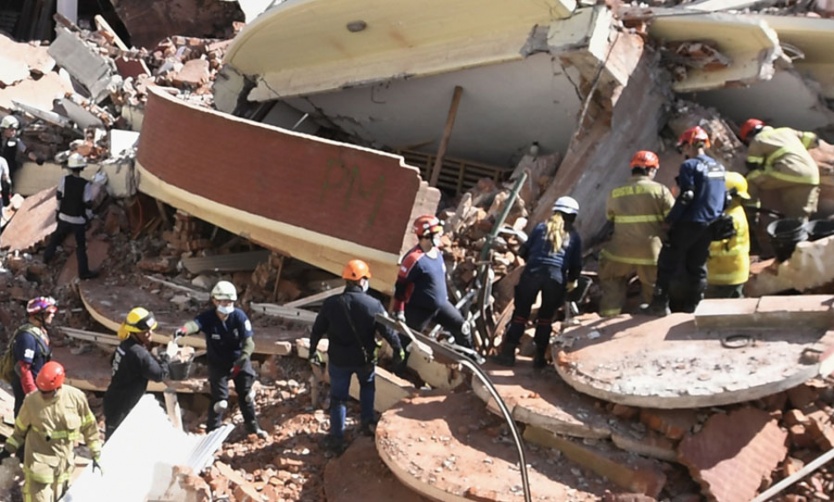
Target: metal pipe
{"x":793,"y":478}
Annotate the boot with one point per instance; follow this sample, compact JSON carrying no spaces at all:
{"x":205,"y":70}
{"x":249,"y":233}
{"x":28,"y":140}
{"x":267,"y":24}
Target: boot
{"x":254,"y":428}
{"x":659,"y":307}
{"x":540,"y":357}
{"x":507,"y":355}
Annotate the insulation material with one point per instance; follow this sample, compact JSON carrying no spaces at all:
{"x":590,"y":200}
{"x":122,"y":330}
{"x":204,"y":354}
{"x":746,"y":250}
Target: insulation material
{"x":138,"y":459}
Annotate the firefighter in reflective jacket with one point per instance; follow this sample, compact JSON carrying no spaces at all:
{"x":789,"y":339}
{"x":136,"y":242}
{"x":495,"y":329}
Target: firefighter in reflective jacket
{"x":133,"y":367}
{"x":30,"y":347}
{"x":728,"y":266}
{"x":51,"y":422}
{"x":637,"y":210}
{"x":781,"y":171}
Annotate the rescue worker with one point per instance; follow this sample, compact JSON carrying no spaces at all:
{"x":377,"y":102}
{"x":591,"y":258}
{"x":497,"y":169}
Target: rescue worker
{"x":349,"y":322}
{"x":781,"y":171}
{"x":5,"y":181}
{"x":12,"y":148}
{"x":50,"y":423}
{"x":75,"y":196}
{"x":229,"y":348}
{"x":420,"y":295}
{"x":133,"y":366}
{"x":728,"y":266}
{"x":30,"y":347}
{"x":636,"y":210}
{"x":554,"y":262}
{"x":700,"y":202}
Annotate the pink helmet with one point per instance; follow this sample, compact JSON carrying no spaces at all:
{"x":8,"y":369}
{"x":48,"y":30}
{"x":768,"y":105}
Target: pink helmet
{"x":42,"y":304}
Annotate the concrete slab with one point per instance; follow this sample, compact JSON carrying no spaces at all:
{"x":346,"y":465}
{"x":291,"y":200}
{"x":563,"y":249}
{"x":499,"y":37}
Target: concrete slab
{"x":360,"y":470}
{"x":731,"y":455}
{"x":669,"y":363}
{"x":545,"y":401}
{"x":32,"y":223}
{"x":87,"y":66}
{"x":771,"y":311}
{"x":445,"y":448}
{"x":38,"y":93}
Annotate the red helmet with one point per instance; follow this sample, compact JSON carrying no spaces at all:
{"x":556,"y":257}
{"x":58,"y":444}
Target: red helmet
{"x":751,"y":126}
{"x":355,"y":270}
{"x":694,"y":135}
{"x":42,"y":304}
{"x":427,"y":225}
{"x":50,"y":377}
{"x":645,"y":159}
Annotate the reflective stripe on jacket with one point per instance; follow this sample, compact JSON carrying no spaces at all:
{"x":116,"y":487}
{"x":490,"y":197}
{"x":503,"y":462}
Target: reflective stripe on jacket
{"x":637,"y":210}
{"x":783,"y":155}
{"x":729,"y":260}
{"x":51,"y":426}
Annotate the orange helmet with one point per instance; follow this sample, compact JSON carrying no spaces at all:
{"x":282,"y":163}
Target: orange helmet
{"x":50,"y":377}
{"x":645,"y":159}
{"x":427,"y":225}
{"x":751,"y":126}
{"x":355,"y":270}
{"x":694,"y":135}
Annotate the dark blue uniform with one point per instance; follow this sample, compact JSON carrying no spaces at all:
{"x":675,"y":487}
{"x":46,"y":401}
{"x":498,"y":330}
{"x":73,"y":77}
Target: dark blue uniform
{"x":349,"y":322}
{"x":547,"y":271}
{"x":31,"y":346}
{"x":133,"y":367}
{"x":689,"y":234}
{"x":224,"y":344}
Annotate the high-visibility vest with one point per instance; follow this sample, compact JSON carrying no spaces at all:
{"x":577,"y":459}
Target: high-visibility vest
{"x":783,"y":155}
{"x":637,"y":210}
{"x":729,"y":260}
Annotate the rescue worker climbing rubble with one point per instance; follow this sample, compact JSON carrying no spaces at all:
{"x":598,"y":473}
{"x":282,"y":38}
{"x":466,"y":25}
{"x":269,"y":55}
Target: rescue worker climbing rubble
{"x":420,"y":294}
{"x":636,"y":210}
{"x":12,"y":149}
{"x":75,"y":196}
{"x":554,"y":262}
{"x":133,"y":366}
{"x":229,"y":346}
{"x":781,"y":171}
{"x":700,"y":202}
{"x":728,"y":266}
{"x":50,"y":423}
{"x":30,"y":347}
{"x":349,"y":322}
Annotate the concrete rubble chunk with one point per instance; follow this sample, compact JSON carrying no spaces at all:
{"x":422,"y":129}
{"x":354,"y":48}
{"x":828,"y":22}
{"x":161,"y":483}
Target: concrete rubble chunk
{"x":91,"y":69}
{"x":32,"y":223}
{"x":731,"y":455}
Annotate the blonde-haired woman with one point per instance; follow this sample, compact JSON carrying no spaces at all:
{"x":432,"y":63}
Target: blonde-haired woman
{"x":554,"y":261}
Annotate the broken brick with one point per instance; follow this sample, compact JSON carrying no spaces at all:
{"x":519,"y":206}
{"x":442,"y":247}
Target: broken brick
{"x":802,"y":395}
{"x":793,"y":417}
{"x":674,"y":424}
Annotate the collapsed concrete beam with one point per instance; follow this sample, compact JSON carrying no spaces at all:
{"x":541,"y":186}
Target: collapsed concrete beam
{"x":32,"y":178}
{"x":293,"y":193}
{"x":87,"y":66}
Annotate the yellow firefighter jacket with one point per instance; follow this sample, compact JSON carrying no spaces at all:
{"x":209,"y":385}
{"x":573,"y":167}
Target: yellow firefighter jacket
{"x":637,"y":210}
{"x":51,"y":426}
{"x":783,"y":155}
{"x":729,"y":260}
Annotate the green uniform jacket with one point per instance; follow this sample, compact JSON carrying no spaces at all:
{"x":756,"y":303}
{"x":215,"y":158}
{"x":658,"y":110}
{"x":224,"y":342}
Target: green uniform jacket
{"x":637,"y":210}
{"x":51,"y":426}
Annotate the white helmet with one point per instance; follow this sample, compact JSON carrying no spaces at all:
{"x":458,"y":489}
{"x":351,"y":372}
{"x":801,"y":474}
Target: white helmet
{"x":76,"y":161}
{"x":9,"y":122}
{"x":224,"y":290}
{"x":566,"y":205}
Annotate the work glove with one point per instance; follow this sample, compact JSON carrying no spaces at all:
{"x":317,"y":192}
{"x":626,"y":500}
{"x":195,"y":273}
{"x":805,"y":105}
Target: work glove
{"x":315,"y":358}
{"x":399,"y":360}
{"x":179,"y":333}
{"x":97,"y":466}
{"x":399,"y":315}
{"x":570,"y":286}
{"x":238,"y":365}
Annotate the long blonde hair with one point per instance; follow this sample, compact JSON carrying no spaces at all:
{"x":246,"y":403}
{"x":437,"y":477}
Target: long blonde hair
{"x":557,"y":234}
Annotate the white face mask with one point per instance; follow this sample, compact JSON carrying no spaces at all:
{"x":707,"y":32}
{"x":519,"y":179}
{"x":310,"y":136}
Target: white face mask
{"x":435,"y":239}
{"x":365,"y":285}
{"x":225,"y":309}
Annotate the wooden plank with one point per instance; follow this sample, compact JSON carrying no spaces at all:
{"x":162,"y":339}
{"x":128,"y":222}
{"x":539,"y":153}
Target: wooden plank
{"x":316,"y":298}
{"x":233,"y":262}
{"x":447,"y":134}
{"x":282,"y":312}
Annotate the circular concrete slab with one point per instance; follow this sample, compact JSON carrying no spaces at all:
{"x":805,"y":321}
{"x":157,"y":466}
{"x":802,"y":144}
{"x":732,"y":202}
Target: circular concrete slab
{"x":669,"y":363}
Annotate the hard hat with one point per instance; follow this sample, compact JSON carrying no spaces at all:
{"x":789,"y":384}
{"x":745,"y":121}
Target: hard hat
{"x":427,"y":225}
{"x":139,"y":320}
{"x":41,"y":304}
{"x":694,"y":135}
{"x":9,"y":122}
{"x":645,"y":159}
{"x":355,"y":270}
{"x":224,"y":290}
{"x":736,"y":184}
{"x":566,"y":205}
{"x":51,"y":377}
{"x":76,"y":161}
{"x":751,"y":126}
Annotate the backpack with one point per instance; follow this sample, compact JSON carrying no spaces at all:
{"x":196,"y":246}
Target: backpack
{"x":7,"y":363}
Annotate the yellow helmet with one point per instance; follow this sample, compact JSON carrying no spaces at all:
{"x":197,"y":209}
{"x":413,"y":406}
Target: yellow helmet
{"x":736,"y":185}
{"x":138,"y":320}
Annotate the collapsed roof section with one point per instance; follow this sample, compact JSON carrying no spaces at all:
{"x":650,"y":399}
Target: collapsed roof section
{"x":318,"y":200}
